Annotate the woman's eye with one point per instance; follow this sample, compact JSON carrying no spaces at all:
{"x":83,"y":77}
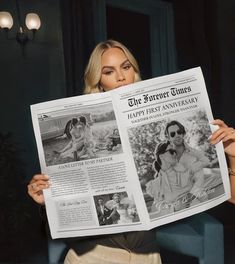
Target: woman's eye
{"x":107,"y":72}
{"x":127,"y":67}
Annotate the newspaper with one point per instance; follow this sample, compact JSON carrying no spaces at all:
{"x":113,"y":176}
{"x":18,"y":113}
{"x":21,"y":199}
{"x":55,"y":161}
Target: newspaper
{"x":113,"y":164}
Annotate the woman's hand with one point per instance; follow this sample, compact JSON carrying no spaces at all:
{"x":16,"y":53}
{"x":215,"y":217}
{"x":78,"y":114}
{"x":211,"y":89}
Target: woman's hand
{"x":226,"y":135}
{"x":35,"y":187}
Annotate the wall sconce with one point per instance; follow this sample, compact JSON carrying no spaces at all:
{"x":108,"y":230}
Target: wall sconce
{"x":23,"y":35}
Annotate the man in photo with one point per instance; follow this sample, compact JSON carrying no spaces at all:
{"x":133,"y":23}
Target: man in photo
{"x":189,"y":159}
{"x":104,"y":214}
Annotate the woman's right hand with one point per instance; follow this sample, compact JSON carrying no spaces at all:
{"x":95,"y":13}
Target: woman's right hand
{"x":35,"y":187}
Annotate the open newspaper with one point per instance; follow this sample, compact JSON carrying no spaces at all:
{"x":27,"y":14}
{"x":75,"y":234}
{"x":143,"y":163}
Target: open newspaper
{"x":131,"y":159}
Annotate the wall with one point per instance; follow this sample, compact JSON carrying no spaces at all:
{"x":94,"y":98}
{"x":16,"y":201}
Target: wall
{"x":226,"y":42}
{"x":205,"y":37}
{"x":24,"y":80}
{"x":35,"y":77}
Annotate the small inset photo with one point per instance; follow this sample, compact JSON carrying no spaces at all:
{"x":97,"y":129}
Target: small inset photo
{"x":116,"y":208}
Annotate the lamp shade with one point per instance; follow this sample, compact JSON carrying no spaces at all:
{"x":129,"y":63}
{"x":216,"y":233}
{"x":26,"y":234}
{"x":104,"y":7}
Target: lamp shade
{"x":32,"y":21}
{"x":6,"y":20}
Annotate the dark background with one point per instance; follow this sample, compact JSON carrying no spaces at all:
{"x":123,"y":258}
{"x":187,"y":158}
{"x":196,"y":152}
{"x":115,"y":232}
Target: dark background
{"x":52,"y":67}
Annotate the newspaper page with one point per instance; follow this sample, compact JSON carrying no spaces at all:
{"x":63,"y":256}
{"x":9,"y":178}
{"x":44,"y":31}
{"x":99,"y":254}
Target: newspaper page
{"x":113,"y":164}
{"x":80,"y":149}
{"x":159,"y":118}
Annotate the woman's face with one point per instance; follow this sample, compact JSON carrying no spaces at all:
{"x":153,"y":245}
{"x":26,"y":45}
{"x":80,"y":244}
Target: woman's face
{"x":116,"y":70}
{"x":169,"y":157}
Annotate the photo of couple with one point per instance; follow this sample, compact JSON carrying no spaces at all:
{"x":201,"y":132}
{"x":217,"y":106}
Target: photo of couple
{"x":70,"y":136}
{"x":81,"y":139}
{"x":116,"y":208}
{"x":183,"y":167}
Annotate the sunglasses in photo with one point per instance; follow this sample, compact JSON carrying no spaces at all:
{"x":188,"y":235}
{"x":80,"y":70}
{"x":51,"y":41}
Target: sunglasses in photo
{"x":179,"y":132}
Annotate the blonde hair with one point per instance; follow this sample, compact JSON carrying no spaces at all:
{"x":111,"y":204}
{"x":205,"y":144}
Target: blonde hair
{"x":92,"y":74}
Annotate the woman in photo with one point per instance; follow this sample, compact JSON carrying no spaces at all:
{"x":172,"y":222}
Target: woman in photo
{"x":123,"y":209}
{"x":76,"y":140}
{"x":171,"y":182}
{"x":88,"y":140}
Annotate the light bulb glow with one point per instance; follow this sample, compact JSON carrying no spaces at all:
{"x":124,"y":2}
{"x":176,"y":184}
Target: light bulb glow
{"x":6,"y":20}
{"x":32,"y":21}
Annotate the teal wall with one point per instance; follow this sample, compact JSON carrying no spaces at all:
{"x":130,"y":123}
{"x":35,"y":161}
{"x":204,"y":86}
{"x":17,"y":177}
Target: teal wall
{"x":205,"y":37}
{"x":35,"y":77}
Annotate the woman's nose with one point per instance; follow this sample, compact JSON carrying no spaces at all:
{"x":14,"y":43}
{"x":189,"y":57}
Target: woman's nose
{"x":120,"y":76}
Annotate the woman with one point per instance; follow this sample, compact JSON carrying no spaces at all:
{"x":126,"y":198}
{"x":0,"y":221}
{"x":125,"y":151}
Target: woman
{"x":76,"y":140}
{"x":88,"y":146}
{"x":111,"y":65}
{"x":172,"y":183}
{"x":123,"y":212}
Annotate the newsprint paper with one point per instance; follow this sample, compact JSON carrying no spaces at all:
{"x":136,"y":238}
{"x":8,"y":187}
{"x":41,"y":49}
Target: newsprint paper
{"x":130,"y":159}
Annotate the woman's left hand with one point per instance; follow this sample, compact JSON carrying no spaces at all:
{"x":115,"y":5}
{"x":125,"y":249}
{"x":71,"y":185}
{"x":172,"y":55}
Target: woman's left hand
{"x":226,"y":135}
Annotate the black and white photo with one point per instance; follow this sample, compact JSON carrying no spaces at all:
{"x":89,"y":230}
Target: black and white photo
{"x":69,"y":136}
{"x":116,"y":208}
{"x":176,"y":165}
